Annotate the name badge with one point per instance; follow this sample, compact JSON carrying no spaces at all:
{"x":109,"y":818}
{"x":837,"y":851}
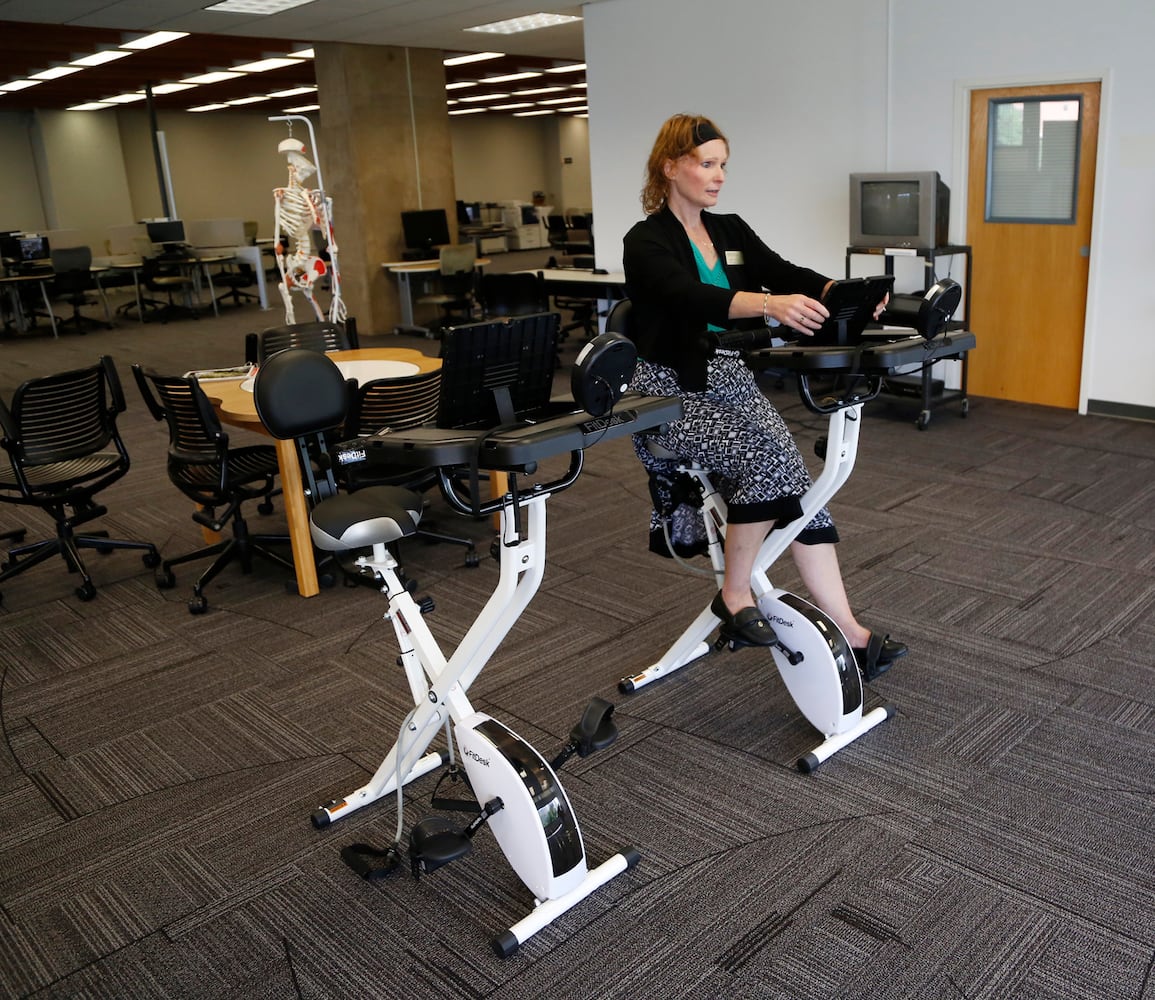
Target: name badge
{"x":734,"y":257}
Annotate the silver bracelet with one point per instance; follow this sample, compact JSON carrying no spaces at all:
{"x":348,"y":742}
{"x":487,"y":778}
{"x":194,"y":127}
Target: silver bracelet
{"x":765,"y":310}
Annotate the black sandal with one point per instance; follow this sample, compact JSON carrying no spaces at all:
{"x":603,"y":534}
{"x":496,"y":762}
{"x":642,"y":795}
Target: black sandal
{"x":880,"y":652}
{"x":747,"y":627}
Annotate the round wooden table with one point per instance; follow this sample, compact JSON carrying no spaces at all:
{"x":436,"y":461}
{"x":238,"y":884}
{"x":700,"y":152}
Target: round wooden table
{"x":233,"y":401}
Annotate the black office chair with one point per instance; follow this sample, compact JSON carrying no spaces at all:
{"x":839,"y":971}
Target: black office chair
{"x":165,"y":279}
{"x":458,"y":286}
{"x":398,"y":404}
{"x":61,"y":447}
{"x":236,"y":277}
{"x":512,"y":294}
{"x":321,"y":337}
{"x":210,"y":473}
{"x":301,"y":396}
{"x":583,"y":310}
{"x":73,"y":283}
{"x":558,"y":230}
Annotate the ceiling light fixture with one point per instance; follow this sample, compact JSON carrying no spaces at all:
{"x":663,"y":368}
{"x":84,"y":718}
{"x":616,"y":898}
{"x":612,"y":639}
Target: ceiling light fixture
{"x":217,"y":76}
{"x":570,"y":68}
{"x":471,"y":57}
{"x":210,"y":107}
{"x":90,"y":106}
{"x":153,"y":40}
{"x":459,"y":86}
{"x":485,"y":97}
{"x":531,"y":22}
{"x":246,"y":100}
{"x":564,"y":100}
{"x":139,"y":95}
{"x":532,"y":114}
{"x":172,"y":88}
{"x":527,"y":75}
{"x":467,"y":111}
{"x":510,"y":107}
{"x":302,"y":54}
{"x":263,"y":65}
{"x":303,"y":107}
{"x":55,"y":73}
{"x":100,"y":58}
{"x":19,"y":84}
{"x":260,"y":7}
{"x":293,"y":92}
{"x":538,"y":90}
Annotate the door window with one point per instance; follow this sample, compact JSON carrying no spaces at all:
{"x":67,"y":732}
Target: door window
{"x":1033,"y":159}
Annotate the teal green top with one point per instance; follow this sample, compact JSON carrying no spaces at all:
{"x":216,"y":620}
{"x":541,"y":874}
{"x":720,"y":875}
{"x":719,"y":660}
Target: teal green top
{"x":711,"y":276}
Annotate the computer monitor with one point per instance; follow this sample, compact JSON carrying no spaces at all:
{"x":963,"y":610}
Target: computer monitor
{"x":493,"y":373}
{"x":425,"y":229}
{"x":34,"y":248}
{"x":169,"y":232}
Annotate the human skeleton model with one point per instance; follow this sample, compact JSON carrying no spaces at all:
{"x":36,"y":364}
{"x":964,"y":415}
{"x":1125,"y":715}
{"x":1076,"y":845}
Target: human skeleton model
{"x":297,"y":211}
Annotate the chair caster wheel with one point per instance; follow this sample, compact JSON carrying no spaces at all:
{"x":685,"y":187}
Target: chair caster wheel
{"x":266,"y":508}
{"x":165,"y":580}
{"x":472,"y":559}
{"x":86,"y":592}
{"x":198,"y":605}
{"x":151,"y":560}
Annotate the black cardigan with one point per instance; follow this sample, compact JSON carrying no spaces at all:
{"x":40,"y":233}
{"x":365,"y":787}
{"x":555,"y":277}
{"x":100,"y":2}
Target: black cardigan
{"x":671,"y":307}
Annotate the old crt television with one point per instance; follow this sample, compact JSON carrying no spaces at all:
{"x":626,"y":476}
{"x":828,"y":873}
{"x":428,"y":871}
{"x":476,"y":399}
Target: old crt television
{"x":906,"y":210}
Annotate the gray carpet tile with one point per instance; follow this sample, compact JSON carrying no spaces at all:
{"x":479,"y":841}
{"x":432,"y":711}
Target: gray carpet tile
{"x":990,"y":840}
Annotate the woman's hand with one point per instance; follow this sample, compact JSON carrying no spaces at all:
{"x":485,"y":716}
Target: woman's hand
{"x":882,"y":305}
{"x":800,"y":312}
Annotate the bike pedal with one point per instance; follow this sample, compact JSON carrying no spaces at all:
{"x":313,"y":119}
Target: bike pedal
{"x":434,"y":843}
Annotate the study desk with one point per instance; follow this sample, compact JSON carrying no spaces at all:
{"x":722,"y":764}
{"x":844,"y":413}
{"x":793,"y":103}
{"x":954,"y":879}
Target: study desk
{"x":233,"y":401}
{"x":584,"y":283}
{"x":13,"y":283}
{"x":405,"y":269}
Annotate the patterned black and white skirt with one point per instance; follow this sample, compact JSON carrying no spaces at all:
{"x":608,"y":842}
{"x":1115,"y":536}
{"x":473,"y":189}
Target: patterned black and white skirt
{"x":732,"y":430}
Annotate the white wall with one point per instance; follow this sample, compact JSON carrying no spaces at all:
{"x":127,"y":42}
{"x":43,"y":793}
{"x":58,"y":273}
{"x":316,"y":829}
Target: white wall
{"x":502,"y":158}
{"x":20,"y":203}
{"x":809,"y":93}
{"x":499,"y":158}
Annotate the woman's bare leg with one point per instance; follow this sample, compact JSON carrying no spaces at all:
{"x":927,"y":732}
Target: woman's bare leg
{"x":818,"y":567}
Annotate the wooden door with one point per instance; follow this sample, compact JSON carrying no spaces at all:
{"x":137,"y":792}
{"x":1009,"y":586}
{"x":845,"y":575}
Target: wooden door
{"x":1029,"y":290}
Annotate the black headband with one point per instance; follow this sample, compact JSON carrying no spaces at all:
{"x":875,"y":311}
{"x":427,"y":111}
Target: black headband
{"x":704,"y":131}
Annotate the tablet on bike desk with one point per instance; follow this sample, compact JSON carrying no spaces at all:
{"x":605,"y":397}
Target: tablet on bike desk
{"x":851,"y":303}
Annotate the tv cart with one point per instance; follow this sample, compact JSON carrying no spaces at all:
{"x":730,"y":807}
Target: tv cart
{"x":923,"y":385}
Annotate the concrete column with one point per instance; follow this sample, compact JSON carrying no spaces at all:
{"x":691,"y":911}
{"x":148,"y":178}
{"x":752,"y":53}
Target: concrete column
{"x":385,"y":149}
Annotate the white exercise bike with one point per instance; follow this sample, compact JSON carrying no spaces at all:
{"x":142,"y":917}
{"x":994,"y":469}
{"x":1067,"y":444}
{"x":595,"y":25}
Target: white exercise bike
{"x":812,"y":656}
{"x":517,"y":792}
